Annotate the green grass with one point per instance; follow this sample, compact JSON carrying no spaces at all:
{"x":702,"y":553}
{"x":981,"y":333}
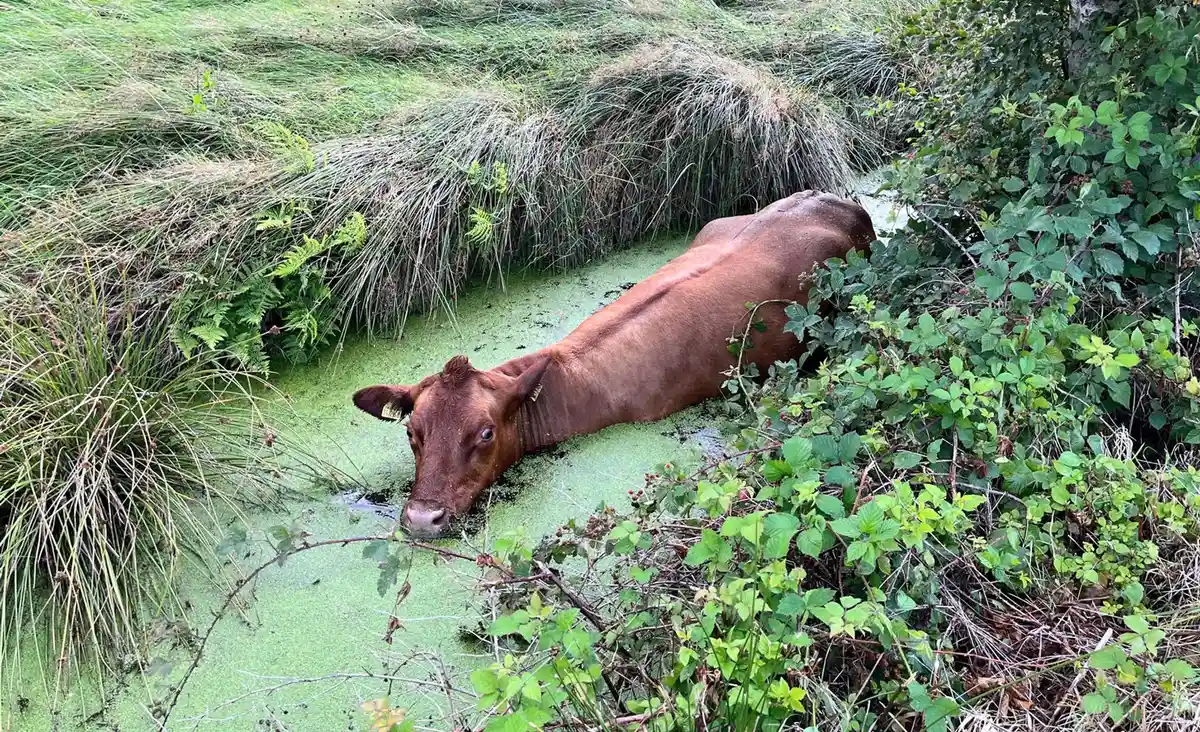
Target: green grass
{"x":92,"y":89}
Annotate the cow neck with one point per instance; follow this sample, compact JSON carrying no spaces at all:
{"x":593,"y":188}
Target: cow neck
{"x":550,"y":415}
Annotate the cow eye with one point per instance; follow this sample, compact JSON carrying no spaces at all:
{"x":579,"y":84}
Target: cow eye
{"x":487,"y":434}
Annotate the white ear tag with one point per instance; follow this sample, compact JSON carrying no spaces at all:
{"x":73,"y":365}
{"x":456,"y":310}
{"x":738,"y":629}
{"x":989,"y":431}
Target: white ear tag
{"x":536,"y":393}
{"x":391,"y":411}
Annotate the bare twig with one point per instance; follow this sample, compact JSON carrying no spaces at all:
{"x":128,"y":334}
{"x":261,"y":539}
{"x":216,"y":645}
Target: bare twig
{"x":974,"y":262}
{"x":1108,"y":633}
{"x":712,"y":464}
{"x":289,"y":682}
{"x":954,"y":466}
{"x":581,"y":604}
{"x":241,"y":584}
{"x":637,"y":719}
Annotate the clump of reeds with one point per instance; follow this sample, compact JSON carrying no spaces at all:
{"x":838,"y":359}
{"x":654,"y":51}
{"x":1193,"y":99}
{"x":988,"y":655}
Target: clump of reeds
{"x":115,"y":453}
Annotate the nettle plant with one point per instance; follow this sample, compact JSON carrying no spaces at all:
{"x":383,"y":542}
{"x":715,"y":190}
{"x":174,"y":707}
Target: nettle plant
{"x":285,"y":307}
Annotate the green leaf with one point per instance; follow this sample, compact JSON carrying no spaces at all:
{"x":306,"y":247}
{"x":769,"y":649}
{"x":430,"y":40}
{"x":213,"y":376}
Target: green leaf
{"x":1110,"y":262}
{"x":1137,"y":623}
{"x":298,"y":256}
{"x":1134,"y":592}
{"x":1111,"y":205}
{"x":212,"y":335}
{"x":778,"y":530}
{"x":1149,"y":241}
{"x":848,"y":446}
{"x":904,"y":460}
{"x":711,"y":547}
{"x":857,"y":551}
{"x":818,"y":597}
{"x":1022,"y":291}
{"x":840,"y":475}
{"x":1179,"y":669}
{"x":810,"y":542}
{"x":1034,"y":170}
{"x":1108,"y":112}
{"x":376,"y":550}
{"x":485,"y":681}
{"x":992,"y":286}
{"x":956,"y":365}
{"x":1120,"y":392}
{"x":847,"y":527}
{"x":790,"y":605}
{"x":938,"y":716}
{"x":1094,"y":703}
{"x":1060,"y":494}
{"x":507,"y":624}
{"x":797,"y":451}
{"x":918,"y":697}
{"x":1012,"y":185}
{"x":1107,"y":658}
{"x":831,"y":506}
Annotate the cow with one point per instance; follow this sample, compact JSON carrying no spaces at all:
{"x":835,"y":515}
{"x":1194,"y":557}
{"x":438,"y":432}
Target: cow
{"x":660,"y":347}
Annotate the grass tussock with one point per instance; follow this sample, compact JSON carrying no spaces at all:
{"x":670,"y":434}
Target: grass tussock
{"x":677,"y":136}
{"x":114,"y":455}
{"x":667,"y":138}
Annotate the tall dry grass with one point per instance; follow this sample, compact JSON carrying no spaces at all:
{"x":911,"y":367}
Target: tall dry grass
{"x":115,"y":456}
{"x":669,"y":137}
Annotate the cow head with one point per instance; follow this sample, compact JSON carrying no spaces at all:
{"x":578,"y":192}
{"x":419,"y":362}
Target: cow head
{"x":462,"y":427}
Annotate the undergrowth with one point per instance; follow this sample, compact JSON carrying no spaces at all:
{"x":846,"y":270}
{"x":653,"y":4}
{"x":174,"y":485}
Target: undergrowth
{"x":666,"y":138}
{"x":191,"y":191}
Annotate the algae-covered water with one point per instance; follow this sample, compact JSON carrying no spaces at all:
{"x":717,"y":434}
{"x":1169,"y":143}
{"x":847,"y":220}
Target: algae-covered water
{"x":307,"y":648}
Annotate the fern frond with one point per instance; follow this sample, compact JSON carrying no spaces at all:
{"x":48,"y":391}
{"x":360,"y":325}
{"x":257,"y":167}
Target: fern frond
{"x":482,"y":227}
{"x":211,"y":334}
{"x":352,"y":234}
{"x":299,"y":255}
{"x":184,"y":341}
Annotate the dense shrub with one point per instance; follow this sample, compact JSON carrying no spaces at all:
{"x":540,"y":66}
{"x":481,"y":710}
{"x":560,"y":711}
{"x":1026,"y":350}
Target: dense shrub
{"x":977,"y":513}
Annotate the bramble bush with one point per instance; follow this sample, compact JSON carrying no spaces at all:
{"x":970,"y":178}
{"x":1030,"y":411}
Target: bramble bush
{"x":981,"y":507}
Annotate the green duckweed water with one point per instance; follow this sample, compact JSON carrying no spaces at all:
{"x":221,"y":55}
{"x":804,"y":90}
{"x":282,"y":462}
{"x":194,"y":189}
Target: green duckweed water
{"x":298,"y":655}
{"x":307,"y":648}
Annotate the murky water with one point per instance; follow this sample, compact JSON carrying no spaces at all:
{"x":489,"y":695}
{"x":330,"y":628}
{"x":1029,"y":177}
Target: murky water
{"x":310,"y":644}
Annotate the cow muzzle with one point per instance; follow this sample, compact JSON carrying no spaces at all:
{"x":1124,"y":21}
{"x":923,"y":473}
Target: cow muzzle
{"x":424,"y":520}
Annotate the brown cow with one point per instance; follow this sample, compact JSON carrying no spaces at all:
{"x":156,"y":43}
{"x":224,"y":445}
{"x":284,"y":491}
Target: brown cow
{"x":660,"y":347}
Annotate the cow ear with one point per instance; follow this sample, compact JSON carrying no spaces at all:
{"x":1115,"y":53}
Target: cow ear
{"x":389,"y":403}
{"x":527,"y":384}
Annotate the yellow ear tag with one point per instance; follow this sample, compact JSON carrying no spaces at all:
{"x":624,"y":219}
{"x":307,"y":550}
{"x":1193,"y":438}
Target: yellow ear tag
{"x":390,"y":411}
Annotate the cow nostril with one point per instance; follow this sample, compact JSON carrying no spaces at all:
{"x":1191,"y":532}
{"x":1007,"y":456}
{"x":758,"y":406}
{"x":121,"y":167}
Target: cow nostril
{"x":423,"y":519}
